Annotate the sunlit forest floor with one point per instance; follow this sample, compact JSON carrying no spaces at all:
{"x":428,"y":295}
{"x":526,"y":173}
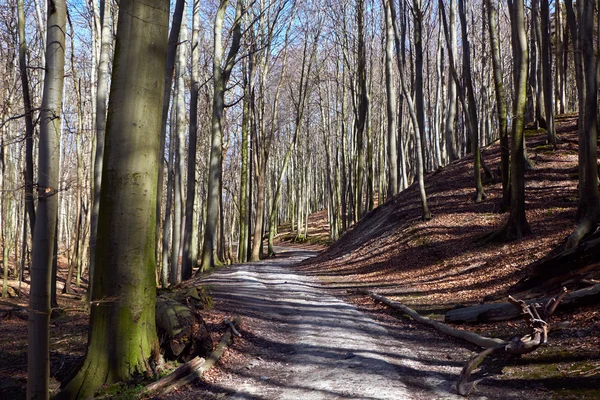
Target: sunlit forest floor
{"x":431,"y":266}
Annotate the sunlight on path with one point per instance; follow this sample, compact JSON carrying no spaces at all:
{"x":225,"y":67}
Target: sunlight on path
{"x":315,"y":345}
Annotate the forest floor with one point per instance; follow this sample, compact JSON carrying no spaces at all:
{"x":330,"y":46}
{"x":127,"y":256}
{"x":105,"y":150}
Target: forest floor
{"x":299,"y":333}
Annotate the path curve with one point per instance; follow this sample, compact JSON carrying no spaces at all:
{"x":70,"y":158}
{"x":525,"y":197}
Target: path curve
{"x":313,"y":345}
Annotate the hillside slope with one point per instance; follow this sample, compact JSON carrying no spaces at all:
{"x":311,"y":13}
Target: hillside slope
{"x":436,"y":265}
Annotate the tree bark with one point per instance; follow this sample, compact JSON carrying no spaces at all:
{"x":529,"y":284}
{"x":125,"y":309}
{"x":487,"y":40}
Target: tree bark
{"x":221,"y":75}
{"x":547,"y":71}
{"x":589,"y":118}
{"x":122,"y":336}
{"x":38,"y":367}
{"x":501,"y":105}
{"x":188,"y":261}
{"x":101,"y":96}
{"x":392,"y":146}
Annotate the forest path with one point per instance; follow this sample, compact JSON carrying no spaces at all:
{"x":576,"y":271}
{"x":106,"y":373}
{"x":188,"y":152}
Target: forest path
{"x":308,"y":344}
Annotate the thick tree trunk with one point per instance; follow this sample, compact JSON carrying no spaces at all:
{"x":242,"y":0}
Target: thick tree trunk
{"x":122,"y":323}
{"x":588,"y":159}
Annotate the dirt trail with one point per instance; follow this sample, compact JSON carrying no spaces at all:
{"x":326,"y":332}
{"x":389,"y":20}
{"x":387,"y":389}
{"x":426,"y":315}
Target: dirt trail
{"x":308,"y":344}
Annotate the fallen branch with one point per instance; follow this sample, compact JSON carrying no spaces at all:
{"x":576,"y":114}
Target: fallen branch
{"x":470,"y":337}
{"x":193,"y":369}
{"x":536,"y":317}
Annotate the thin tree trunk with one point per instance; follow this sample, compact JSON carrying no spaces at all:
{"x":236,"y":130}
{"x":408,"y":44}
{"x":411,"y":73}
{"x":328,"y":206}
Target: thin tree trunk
{"x":471,"y":111}
{"x":221,"y":77}
{"x":501,"y":105}
{"x":188,"y":261}
{"x":29,"y":202}
{"x":547,"y":71}
{"x":391,"y":103}
{"x":426,"y":214}
{"x":101,"y":96}
{"x":38,"y":367}
{"x":180,"y":110}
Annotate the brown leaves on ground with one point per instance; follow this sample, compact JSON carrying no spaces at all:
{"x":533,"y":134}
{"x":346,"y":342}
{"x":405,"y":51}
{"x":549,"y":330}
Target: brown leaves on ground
{"x":436,"y":265}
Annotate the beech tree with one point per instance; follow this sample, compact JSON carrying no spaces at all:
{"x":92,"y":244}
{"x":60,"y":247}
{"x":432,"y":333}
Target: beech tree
{"x":38,"y":357}
{"x":221,"y":72}
{"x":122,"y":336}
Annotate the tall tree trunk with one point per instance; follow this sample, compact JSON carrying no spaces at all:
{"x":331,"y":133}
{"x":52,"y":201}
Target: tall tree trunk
{"x":179,"y":166}
{"x":589,"y":117}
{"x":38,"y":367}
{"x":579,"y":78}
{"x":426,"y":214}
{"x":101,"y":96}
{"x":29,"y":203}
{"x":471,"y":111}
{"x":220,"y":77}
{"x":501,"y":105}
{"x":122,"y":337}
{"x":517,"y":226}
{"x":452,"y":95}
{"x":244,"y":199}
{"x":362,"y":108}
{"x":390,"y":85}
{"x":169,"y":72}
{"x":536,"y":32}
{"x":188,"y":261}
{"x":547,"y":71}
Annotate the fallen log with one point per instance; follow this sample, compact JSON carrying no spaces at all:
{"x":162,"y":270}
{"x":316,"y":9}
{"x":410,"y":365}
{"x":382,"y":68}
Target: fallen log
{"x":193,"y":369}
{"x":507,"y":311}
{"x":470,"y":337}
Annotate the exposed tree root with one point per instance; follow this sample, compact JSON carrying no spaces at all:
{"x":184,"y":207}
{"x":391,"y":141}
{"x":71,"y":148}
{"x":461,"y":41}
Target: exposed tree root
{"x":586,"y":227}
